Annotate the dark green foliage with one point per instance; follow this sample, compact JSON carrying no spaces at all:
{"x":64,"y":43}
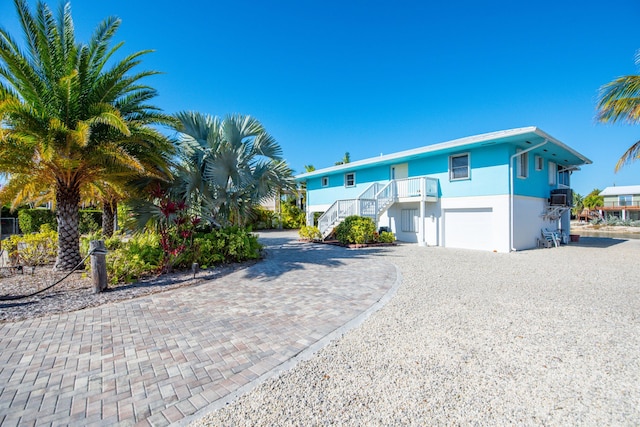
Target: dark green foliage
{"x":231,"y":244}
{"x":356,"y":229}
{"x":263,"y":219}
{"x":31,"y":220}
{"x":90,"y":221}
{"x":141,"y":255}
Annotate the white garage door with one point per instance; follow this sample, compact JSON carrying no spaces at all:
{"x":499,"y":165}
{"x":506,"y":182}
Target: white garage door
{"x":469,"y":228}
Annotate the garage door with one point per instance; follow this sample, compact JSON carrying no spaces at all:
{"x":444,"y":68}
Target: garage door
{"x":469,"y":228}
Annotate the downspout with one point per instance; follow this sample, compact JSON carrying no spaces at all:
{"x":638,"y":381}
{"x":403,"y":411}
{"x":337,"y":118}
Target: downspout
{"x":511,"y":190}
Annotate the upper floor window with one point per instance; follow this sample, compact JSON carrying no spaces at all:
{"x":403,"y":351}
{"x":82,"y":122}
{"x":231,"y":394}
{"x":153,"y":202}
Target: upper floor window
{"x":350,"y":179}
{"x":563,"y":177}
{"x":625,"y":200}
{"x":459,"y":167}
{"x":539,"y":163}
{"x":553,"y":173}
{"x":325,"y":181}
{"x":523,"y":165}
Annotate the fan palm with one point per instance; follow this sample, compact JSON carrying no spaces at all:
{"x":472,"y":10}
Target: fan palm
{"x":228,"y":166}
{"x":619,"y":100}
{"x":62,"y":128}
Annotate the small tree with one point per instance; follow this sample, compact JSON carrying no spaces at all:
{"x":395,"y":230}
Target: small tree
{"x":593,"y":200}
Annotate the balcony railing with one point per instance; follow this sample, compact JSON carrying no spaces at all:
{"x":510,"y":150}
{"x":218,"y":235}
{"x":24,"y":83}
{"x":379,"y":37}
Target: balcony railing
{"x":620,"y":205}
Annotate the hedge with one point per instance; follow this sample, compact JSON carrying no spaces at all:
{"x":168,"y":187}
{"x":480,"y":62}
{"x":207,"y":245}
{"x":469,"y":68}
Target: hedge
{"x":30,"y":220}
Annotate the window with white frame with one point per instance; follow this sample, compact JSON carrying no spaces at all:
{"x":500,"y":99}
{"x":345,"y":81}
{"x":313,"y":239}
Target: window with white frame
{"x":409,"y":220}
{"x":523,"y":165}
{"x":325,"y":181}
{"x":553,"y":173}
{"x":625,"y":200}
{"x":459,"y":167}
{"x":563,"y":177}
{"x":539,"y":163}
{"x":350,"y":179}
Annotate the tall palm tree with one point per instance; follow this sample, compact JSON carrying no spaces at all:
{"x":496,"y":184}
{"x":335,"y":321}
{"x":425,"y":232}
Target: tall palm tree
{"x":61,"y":123}
{"x":619,"y":100}
{"x":228,"y":165}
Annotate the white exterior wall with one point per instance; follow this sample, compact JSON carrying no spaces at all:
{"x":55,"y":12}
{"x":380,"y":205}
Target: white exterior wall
{"x":499,"y":206}
{"x":528,"y":222}
{"x":434,"y":220}
{"x":394,"y":213}
{"x":315,"y":208}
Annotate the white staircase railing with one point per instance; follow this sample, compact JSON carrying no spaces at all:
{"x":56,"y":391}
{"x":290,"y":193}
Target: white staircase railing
{"x":376,"y":199}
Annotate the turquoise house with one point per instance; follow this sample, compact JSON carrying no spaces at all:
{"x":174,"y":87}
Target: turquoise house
{"x":494,"y":191}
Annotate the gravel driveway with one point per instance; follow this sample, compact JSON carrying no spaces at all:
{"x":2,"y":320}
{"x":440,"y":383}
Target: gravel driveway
{"x":539,"y":337}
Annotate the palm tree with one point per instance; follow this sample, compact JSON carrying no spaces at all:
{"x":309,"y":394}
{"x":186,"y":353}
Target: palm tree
{"x":62,"y":128}
{"x":228,"y":166}
{"x":593,"y":200}
{"x":345,"y":159}
{"x":619,"y":100}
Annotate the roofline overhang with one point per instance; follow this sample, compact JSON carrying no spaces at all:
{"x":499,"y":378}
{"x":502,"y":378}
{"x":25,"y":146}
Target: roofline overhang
{"x":448,"y":145}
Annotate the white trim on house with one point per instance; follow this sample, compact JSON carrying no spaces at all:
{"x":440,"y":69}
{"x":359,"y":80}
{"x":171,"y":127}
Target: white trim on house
{"x":453,"y":144}
{"x":622,"y":190}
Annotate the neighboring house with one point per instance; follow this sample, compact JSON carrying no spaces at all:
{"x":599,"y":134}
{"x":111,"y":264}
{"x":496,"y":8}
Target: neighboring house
{"x":621,"y":202}
{"x":494,"y":191}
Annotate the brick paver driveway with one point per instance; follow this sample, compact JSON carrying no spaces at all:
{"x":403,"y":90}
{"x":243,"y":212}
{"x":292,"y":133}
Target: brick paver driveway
{"x":158,"y":359}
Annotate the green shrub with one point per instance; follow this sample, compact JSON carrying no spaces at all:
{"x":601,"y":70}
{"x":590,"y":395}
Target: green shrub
{"x":123,"y":267}
{"x":89,"y":221}
{"x":32,"y":249}
{"x":31,"y":220}
{"x":263,"y":218}
{"x":356,"y":229}
{"x":140,"y":255}
{"x":310,"y":232}
{"x":292,"y":216}
{"x":387,"y":237}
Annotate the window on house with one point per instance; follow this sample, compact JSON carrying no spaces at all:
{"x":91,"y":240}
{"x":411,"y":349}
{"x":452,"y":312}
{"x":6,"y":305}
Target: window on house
{"x":349,"y":179}
{"x":325,"y":181}
{"x":553,"y":173}
{"x":523,"y":165}
{"x":563,"y":177}
{"x":625,"y":200}
{"x":459,"y":167}
{"x":409,"y":220}
{"x":539,"y":163}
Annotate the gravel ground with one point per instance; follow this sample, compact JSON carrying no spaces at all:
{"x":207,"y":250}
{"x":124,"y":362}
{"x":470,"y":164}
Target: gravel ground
{"x":540,"y":337}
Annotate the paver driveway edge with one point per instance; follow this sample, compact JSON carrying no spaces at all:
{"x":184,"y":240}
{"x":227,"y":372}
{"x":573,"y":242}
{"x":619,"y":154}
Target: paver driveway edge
{"x":305,"y":354}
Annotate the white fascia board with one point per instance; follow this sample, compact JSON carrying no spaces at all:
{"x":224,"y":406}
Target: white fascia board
{"x":622,"y":190}
{"x":449,"y":145}
{"x":543,"y":134}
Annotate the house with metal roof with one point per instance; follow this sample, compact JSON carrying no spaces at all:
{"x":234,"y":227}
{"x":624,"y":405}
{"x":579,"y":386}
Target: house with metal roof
{"x":493,"y":191}
{"x":621,"y":202}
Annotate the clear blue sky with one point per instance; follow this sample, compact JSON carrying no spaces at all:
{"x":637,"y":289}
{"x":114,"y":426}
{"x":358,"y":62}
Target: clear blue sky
{"x":371,"y":77}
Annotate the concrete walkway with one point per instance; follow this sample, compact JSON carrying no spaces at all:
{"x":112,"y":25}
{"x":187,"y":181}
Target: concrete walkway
{"x":160,"y":359}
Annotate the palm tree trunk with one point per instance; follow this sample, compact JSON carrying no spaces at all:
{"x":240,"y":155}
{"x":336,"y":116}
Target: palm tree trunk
{"x":109,"y":207}
{"x":67,"y":208}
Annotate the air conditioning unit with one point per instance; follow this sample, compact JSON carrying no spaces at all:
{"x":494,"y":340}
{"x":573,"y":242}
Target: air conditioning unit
{"x":561,"y":197}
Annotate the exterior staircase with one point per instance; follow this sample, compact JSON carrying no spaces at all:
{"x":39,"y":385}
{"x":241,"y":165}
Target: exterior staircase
{"x":376,"y":199}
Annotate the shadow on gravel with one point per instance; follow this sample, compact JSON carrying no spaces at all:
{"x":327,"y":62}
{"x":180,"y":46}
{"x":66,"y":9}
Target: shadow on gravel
{"x":597,"y":242}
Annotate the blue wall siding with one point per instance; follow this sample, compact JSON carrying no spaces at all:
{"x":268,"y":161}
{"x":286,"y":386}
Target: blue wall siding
{"x":489,"y":176}
{"x":489,"y":172}
{"x":537,"y":183}
{"x":318,"y":195}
